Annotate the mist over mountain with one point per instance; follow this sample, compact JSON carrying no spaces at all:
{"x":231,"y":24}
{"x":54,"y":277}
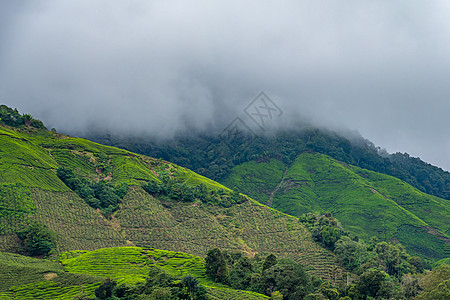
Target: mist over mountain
{"x":156,"y":67}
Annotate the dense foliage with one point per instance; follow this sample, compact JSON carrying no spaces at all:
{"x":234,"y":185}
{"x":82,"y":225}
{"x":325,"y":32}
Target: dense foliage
{"x":101,"y":194}
{"x":266,"y":275}
{"x":214,"y":157}
{"x":159,"y":285}
{"x":358,"y":256}
{"x":325,"y":229}
{"x":172,"y":188}
{"x":12,"y":117}
{"x":385,"y":271}
{"x":37,"y":239}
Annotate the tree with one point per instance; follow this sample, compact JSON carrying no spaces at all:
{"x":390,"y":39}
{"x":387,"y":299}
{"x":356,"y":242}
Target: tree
{"x":410,"y":285}
{"x":160,"y":293}
{"x":270,"y":261}
{"x":157,"y":277}
{"x":371,"y":283}
{"x":27,"y":119}
{"x":241,"y":274}
{"x":436,"y":284}
{"x":105,"y":290}
{"x":125,"y":291}
{"x":191,"y":285}
{"x":390,"y":256}
{"x":216,"y":266}
{"x":325,"y":291}
{"x":37,"y":239}
{"x":193,"y":288}
{"x":351,"y":253}
{"x":287,"y":277}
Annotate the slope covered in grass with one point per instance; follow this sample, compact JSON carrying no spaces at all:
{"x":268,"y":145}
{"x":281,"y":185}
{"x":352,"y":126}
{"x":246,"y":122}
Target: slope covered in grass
{"x":23,"y":277}
{"x":142,"y":219}
{"x":81,"y":272}
{"x":367,"y":203}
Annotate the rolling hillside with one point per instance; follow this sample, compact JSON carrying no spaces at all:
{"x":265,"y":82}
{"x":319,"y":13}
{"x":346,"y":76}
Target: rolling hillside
{"x":31,"y":190}
{"x":367,"y":203}
{"x":80,"y":272}
{"x":314,"y":170}
{"x":208,"y":154}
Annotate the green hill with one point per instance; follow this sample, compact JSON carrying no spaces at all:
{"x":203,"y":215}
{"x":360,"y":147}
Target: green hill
{"x":81,"y":272}
{"x":367,"y":203}
{"x":208,"y":154}
{"x":30,"y":190}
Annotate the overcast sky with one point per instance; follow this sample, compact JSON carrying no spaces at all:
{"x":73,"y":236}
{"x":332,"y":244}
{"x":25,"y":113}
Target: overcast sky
{"x":380,"y":67}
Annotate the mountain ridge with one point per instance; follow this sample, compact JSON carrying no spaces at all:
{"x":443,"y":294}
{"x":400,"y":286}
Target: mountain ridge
{"x":200,"y":153}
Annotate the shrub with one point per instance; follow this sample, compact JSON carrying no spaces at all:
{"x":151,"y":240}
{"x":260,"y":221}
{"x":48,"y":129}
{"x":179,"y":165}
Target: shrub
{"x":37,"y":239}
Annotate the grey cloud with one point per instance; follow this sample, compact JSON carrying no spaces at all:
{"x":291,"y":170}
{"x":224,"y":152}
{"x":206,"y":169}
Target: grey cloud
{"x":151,"y":66}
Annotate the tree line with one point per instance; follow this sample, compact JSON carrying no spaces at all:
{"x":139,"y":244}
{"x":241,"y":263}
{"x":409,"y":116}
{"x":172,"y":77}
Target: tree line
{"x":100,"y":195}
{"x":174,"y":189}
{"x":286,"y":279}
{"x":12,"y":117}
{"x":211,"y":156}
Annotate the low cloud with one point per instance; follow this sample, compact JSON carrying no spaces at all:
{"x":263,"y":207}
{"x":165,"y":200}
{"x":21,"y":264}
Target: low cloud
{"x":151,"y":67}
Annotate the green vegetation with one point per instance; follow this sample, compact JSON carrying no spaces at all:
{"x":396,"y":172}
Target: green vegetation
{"x":60,"y":194}
{"x":37,"y":239}
{"x":248,"y":227}
{"x":122,"y":271}
{"x":99,"y":195}
{"x":213,"y":157}
{"x":16,"y":206}
{"x":11,"y":117}
{"x":267,"y":276}
{"x":178,"y":190}
{"x":442,"y":261}
{"x":129,"y":272}
{"x":367,"y":203}
{"x":217,"y":217}
{"x":381,"y":268}
{"x":23,"y":277}
{"x":436,"y":284}
{"x":139,"y":270}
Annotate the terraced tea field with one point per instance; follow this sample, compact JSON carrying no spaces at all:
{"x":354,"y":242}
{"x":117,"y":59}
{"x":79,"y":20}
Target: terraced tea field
{"x":141,"y":219}
{"x":367,"y":203}
{"x":81,"y":272}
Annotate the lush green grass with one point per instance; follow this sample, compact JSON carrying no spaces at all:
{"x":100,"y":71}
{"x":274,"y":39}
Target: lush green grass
{"x":420,"y":241}
{"x":23,"y":277}
{"x":24,"y":162}
{"x":367,"y":203}
{"x":131,"y":265}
